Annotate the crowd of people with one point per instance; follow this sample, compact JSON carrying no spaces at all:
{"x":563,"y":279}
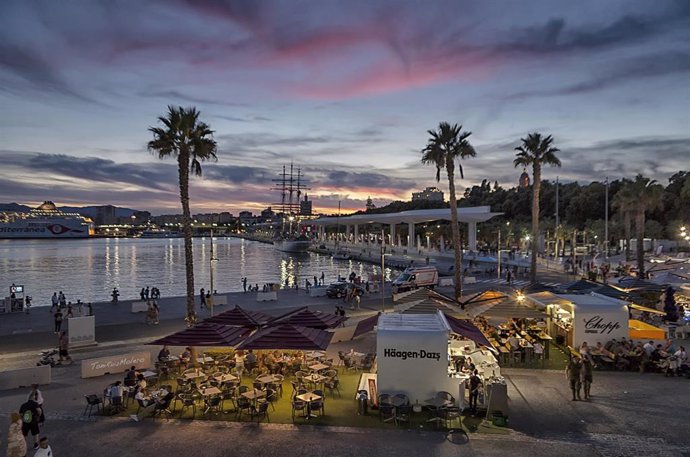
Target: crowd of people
{"x":29,"y":419}
{"x":669,"y":358}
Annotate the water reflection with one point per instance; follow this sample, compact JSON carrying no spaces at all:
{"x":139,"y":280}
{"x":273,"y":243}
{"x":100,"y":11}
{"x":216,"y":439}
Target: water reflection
{"x":89,"y":269}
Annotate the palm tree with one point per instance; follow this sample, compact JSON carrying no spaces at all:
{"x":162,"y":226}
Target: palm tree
{"x":536,"y":151}
{"x":624,"y":200}
{"x":647,"y":195}
{"x":190,"y":141}
{"x":444,"y":146}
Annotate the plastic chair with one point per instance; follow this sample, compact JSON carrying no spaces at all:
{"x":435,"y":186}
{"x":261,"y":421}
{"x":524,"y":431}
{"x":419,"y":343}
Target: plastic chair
{"x":261,"y":410}
{"x":298,"y":406}
{"x":91,"y":401}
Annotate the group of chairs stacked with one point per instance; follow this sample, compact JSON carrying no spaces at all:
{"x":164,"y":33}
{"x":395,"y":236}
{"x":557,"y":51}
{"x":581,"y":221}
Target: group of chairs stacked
{"x":349,"y":362}
{"x":397,"y":409}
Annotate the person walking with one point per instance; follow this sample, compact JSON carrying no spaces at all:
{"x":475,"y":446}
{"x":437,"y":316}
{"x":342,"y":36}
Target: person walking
{"x":142,"y":293}
{"x":63,"y":347}
{"x":54,"y":302}
{"x":573,"y":372}
{"x":44,"y":449}
{"x":356,"y":300}
{"x":16,"y":444}
{"x":587,"y":369}
{"x":323,"y":277}
{"x":58,"y":320}
{"x":146,"y":293}
{"x":29,"y":412}
{"x":475,"y":383}
{"x":37,"y":396}
{"x":202,"y":298}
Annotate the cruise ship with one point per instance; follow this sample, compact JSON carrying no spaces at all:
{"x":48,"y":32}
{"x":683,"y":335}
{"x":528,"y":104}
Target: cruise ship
{"x":45,"y":221}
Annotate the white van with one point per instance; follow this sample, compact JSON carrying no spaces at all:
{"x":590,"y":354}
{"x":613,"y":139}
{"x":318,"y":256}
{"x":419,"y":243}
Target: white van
{"x":415,"y":277}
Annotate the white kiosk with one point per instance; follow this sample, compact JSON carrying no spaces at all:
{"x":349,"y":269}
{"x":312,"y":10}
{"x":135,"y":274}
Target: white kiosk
{"x":587,"y":318}
{"x":413,"y":357}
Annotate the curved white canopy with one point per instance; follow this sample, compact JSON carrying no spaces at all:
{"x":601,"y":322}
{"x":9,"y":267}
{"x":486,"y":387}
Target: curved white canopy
{"x":471,"y":214}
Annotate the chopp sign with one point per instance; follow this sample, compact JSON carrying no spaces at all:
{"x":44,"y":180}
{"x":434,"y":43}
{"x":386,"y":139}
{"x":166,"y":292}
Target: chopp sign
{"x":421,"y":354}
{"x":598,"y":325}
{"x":116,"y":364}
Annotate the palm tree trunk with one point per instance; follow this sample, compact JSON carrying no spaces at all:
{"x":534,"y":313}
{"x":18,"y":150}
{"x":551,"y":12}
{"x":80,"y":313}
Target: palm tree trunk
{"x":183,"y":169}
{"x":455,"y":229}
{"x":536,"y":189}
{"x":627,"y":224}
{"x":639,"y":233}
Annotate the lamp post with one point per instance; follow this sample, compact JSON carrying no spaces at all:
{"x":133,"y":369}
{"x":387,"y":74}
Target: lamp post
{"x":383,"y":275}
{"x":498,"y":272}
{"x":210,"y":267}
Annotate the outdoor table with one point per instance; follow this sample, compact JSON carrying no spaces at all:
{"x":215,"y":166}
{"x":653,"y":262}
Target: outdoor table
{"x":269,"y":378}
{"x":315,"y":354}
{"x":308,"y":398}
{"x":148,"y":374}
{"x":226,"y":378}
{"x":436,"y":402}
{"x":357,"y":354}
{"x":194,"y":374}
{"x":254,"y":394}
{"x":315,"y":378}
{"x":318,"y":367}
{"x":204,"y":359}
{"x":210,"y":391}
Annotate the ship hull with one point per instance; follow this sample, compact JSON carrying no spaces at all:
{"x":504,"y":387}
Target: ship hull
{"x":44,"y":229}
{"x":291,"y":246}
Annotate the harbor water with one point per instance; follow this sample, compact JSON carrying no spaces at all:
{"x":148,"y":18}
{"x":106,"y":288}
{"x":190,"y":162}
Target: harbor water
{"x":88,"y":269}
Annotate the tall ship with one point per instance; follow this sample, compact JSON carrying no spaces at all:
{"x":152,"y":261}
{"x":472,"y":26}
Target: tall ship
{"x":288,"y":237}
{"x":45,"y":221}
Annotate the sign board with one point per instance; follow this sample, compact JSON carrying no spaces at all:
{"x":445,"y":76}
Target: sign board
{"x":412,"y":355}
{"x":91,"y":368}
{"x":81,"y":331}
{"x":16,"y":289}
{"x":598,"y":319}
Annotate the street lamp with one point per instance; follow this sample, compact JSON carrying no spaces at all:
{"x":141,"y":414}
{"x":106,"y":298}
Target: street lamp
{"x":213,"y":259}
{"x":383,"y":278}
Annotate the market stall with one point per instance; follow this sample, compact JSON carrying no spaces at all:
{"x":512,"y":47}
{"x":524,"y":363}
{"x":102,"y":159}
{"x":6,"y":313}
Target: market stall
{"x":584,"y":318}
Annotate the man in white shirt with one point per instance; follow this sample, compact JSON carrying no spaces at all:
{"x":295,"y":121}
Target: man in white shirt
{"x":649,"y":348}
{"x":148,"y":404}
{"x":44,"y":449}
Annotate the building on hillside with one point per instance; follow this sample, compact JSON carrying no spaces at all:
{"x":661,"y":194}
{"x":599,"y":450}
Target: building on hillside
{"x":524,"y":179}
{"x":267,"y":215}
{"x":305,"y":207}
{"x":433,"y":194}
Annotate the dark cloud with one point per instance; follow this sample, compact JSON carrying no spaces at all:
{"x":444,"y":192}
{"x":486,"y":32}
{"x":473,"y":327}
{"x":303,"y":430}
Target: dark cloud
{"x":354,"y":180}
{"x":667,"y":64}
{"x":35,"y":74}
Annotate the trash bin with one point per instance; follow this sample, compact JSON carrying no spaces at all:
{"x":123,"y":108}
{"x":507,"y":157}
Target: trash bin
{"x":362,"y":402}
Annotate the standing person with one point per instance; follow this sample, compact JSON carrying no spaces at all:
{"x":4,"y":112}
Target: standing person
{"x":146,"y":293}
{"x":244,"y":284}
{"x":141,"y":294}
{"x":54,"y":302}
{"x":16,"y":444}
{"x":62,"y":299}
{"x":29,"y":411}
{"x":316,"y":281}
{"x":475,"y":383}
{"x":587,"y":377}
{"x":63,"y":346}
{"x":307,"y":284}
{"x":58,"y":320}
{"x":37,"y":396}
{"x":323,"y":277}
{"x":356,"y":300}
{"x":509,"y":276}
{"x":202,"y":298}
{"x":572,"y":373}
{"x":44,"y":449}
{"x":69,"y":312}
{"x":115,"y":294}
{"x":90,"y":308}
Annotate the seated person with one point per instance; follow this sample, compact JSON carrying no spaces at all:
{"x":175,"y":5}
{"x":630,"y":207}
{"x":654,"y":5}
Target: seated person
{"x":538,"y":348}
{"x":148,"y":403}
{"x":164,"y":354}
{"x":116,"y":393}
{"x":513,"y":342}
{"x":186,"y":356}
{"x":131,"y":376}
{"x":250,"y":361}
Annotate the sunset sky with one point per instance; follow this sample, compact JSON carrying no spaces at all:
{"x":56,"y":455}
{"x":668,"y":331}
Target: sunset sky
{"x":345,"y":90}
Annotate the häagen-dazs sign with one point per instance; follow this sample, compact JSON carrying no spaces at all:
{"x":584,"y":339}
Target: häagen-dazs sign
{"x":115,"y":364}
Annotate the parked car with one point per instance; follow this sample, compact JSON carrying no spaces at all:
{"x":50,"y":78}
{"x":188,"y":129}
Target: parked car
{"x":341,"y":289}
